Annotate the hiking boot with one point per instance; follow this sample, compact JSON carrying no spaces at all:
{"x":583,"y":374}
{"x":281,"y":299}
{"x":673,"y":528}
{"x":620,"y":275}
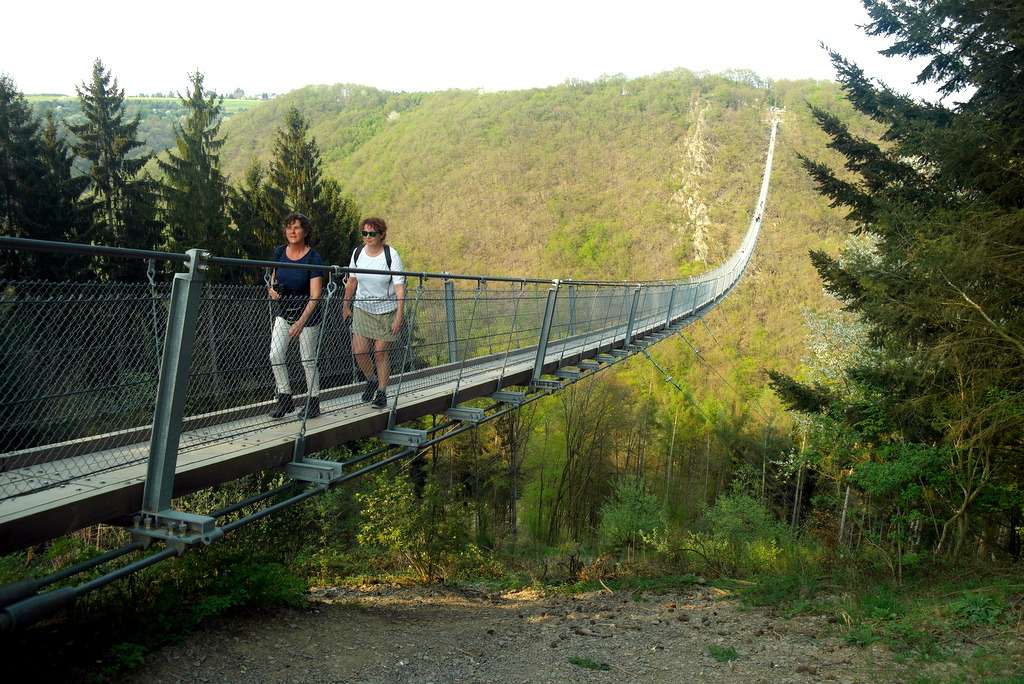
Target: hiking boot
{"x":312,"y":408}
{"x":371,"y":387}
{"x":380,"y":399}
{"x":284,"y":405}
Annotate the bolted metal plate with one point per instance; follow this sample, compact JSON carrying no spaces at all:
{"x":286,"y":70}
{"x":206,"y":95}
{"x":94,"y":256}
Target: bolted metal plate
{"x":506,"y":397}
{"x":466,"y":415}
{"x":315,"y":471}
{"x":404,"y":436}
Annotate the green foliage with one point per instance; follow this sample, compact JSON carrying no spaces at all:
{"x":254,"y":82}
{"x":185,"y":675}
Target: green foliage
{"x":723,"y":654}
{"x":793,"y":591}
{"x":942,"y":214}
{"x":424,"y":533}
{"x":40,"y":197}
{"x":251,"y":585}
{"x":125,"y":198}
{"x":124,"y":657}
{"x":971,"y":610}
{"x":632,"y":516}
{"x":588,"y":664}
{"x":195,"y":192}
{"x":741,"y":536}
{"x":295,"y":182}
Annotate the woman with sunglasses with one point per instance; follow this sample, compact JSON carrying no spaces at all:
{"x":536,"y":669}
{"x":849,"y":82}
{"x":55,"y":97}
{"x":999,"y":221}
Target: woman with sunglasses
{"x":296,"y":293}
{"x":375,"y":303}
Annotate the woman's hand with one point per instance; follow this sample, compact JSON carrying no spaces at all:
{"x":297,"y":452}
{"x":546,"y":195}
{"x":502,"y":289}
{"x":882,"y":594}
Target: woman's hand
{"x":396,"y":325}
{"x":346,"y":311}
{"x":296,"y":329}
{"x":274,"y":294}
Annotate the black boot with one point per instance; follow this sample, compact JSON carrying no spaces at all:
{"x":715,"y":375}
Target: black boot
{"x":380,"y":399}
{"x":284,"y":405}
{"x":312,"y":408}
{"x":371,"y":387}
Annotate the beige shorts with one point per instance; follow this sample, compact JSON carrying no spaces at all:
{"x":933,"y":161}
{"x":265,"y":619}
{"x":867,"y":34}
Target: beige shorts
{"x":373,"y":326}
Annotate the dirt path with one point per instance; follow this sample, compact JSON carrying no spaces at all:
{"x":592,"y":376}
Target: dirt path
{"x":439,"y":634}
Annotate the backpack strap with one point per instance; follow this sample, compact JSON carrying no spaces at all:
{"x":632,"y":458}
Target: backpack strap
{"x":387,"y":258}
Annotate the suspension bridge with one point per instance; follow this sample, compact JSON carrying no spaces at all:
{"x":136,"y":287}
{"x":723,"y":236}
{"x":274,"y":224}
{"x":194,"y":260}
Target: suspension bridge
{"x":117,"y":398}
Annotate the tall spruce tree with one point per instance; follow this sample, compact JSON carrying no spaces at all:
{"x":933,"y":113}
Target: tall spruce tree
{"x":256,"y":222}
{"x":20,"y":167}
{"x":125,"y":203}
{"x":40,"y":196}
{"x":65,"y":213}
{"x":296,"y":183}
{"x":195,"y":193}
{"x":943,"y":199}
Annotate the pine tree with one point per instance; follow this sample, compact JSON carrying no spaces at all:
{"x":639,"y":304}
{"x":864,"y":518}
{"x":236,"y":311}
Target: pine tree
{"x":943,"y":200}
{"x":125,"y":215}
{"x":255,"y":223}
{"x":19,"y":168}
{"x":296,"y":183}
{"x":65,"y":213}
{"x":195,"y":193}
{"x":40,"y":198}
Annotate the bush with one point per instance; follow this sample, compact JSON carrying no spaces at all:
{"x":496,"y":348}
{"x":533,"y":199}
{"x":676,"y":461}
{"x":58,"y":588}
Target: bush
{"x":741,"y":537}
{"x":423,"y":533}
{"x":631,"y":517}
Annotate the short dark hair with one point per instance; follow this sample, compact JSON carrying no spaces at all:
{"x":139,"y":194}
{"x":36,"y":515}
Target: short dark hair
{"x":307,"y":225}
{"x":378,"y":224}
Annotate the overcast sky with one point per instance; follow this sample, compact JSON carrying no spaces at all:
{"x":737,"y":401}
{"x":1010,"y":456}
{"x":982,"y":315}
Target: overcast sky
{"x":259,"y":46}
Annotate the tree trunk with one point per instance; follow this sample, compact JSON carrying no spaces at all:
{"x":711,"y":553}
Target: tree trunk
{"x":671,"y":456}
{"x":842,"y":519}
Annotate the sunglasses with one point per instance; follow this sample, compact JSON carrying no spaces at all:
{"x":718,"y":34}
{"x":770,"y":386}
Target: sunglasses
{"x":370,"y":233}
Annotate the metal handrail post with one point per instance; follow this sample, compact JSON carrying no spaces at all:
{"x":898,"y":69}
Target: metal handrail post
{"x":671,"y":301}
{"x":449,"y":312}
{"x":632,"y":317}
{"x":511,"y":334}
{"x":469,"y":339}
{"x":572,"y":310}
{"x":182,"y":321}
{"x":545,"y":330}
{"x":406,"y":351}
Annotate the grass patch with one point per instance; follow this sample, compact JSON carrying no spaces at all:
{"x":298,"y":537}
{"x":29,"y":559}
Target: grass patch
{"x":588,"y":664}
{"x":723,"y":654}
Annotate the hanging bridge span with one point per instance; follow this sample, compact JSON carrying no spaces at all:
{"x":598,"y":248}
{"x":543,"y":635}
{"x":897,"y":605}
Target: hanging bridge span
{"x":116,"y":398}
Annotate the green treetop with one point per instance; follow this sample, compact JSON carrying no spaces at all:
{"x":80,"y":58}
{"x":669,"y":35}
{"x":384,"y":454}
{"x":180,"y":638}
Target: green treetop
{"x":107,"y":140}
{"x":194,"y":189}
{"x":296,"y":183}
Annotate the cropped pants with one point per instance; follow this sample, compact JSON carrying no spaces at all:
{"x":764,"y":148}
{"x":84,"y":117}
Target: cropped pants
{"x":279,"y":341}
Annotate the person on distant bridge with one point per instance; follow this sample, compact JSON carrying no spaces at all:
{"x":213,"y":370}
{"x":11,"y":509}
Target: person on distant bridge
{"x":296,"y":293}
{"x":377,"y":302}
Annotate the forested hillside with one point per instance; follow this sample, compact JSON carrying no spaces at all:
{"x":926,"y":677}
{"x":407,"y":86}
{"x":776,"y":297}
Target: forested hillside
{"x":609,"y":179}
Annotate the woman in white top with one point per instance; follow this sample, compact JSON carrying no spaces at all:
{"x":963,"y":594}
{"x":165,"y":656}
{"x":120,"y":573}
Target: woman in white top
{"x":377,"y":302}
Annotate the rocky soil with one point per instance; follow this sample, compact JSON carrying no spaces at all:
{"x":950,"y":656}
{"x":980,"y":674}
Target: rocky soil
{"x":442,"y":634}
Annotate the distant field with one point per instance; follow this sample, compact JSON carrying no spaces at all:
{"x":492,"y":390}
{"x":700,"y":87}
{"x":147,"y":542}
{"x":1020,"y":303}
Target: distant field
{"x":158,"y":115}
{"x":231,"y":106}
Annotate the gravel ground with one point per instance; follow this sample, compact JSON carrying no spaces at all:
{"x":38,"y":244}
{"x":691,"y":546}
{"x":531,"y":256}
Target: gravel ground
{"x":441,"y":634}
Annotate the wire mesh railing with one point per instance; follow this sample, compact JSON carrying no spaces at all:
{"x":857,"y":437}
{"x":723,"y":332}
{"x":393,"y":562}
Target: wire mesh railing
{"x":82,"y":361}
